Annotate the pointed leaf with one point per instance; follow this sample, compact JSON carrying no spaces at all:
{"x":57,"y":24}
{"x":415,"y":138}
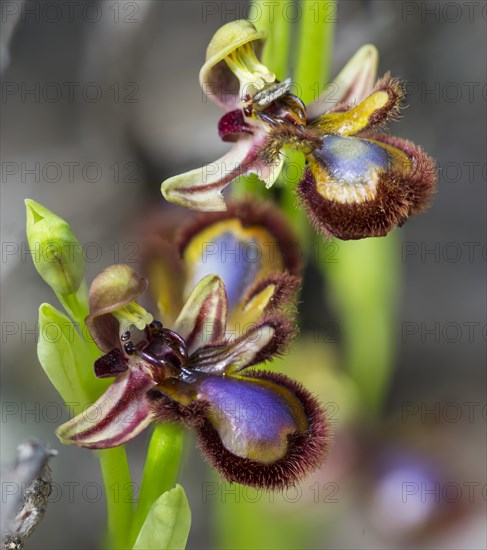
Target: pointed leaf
{"x":59,"y":345}
{"x":167,"y":524}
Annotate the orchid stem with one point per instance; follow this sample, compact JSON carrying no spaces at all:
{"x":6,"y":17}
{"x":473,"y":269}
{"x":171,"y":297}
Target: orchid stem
{"x":161,"y":470}
{"x":278,"y":27}
{"x":76,"y":304}
{"x":119,"y":497}
{"x":315,"y":47}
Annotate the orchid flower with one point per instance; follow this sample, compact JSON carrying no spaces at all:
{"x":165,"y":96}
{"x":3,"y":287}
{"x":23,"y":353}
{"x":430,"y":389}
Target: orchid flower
{"x":357,"y":182}
{"x":255,"y":427}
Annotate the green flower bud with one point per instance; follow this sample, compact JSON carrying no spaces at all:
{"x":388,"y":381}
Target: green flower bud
{"x":56,"y":252}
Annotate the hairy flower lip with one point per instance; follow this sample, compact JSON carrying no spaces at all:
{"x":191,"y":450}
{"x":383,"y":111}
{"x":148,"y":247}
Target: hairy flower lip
{"x":250,"y":213}
{"x":163,"y":374}
{"x":398,"y":197}
{"x":306,"y":450}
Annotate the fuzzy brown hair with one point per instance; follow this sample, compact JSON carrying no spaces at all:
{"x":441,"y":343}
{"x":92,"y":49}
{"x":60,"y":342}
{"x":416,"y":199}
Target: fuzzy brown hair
{"x":399,"y":195}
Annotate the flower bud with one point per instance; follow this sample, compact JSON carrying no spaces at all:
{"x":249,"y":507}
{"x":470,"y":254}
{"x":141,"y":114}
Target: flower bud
{"x":56,"y":252}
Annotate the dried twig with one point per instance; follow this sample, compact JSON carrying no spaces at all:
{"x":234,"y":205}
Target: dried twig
{"x":26,"y":488}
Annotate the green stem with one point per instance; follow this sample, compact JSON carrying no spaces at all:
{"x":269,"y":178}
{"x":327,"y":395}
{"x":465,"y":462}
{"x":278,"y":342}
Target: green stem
{"x":161,"y":470}
{"x":119,"y":498}
{"x":367,"y":310}
{"x":312,"y":71}
{"x":315,"y":47}
{"x":76,"y":304}
{"x":273,"y":19}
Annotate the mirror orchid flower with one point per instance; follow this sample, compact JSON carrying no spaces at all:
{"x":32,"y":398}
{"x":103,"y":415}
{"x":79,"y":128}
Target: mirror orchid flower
{"x":358,"y":182}
{"x":255,"y":427}
{"x":250,"y":246}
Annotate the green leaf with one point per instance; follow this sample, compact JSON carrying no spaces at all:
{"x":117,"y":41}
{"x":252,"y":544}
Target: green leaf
{"x":363,"y":282}
{"x":67,"y":359}
{"x":167,"y":524}
{"x":59,"y":345}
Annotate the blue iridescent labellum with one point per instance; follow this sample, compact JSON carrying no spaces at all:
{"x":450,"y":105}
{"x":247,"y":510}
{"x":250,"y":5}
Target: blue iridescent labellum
{"x":356,"y":188}
{"x":351,"y":160}
{"x":260,"y":429}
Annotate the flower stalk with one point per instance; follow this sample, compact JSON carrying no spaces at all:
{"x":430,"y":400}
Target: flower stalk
{"x":161,"y":470}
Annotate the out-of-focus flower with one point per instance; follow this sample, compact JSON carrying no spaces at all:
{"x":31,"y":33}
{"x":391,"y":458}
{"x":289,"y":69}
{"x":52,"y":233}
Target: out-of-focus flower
{"x":250,"y":247}
{"x":407,"y":499}
{"x":357,"y":182}
{"x":255,"y":427}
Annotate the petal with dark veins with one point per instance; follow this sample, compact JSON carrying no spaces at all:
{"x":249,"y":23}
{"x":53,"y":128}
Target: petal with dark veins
{"x":201,"y":189}
{"x":120,"y":414}
{"x":202,"y":320}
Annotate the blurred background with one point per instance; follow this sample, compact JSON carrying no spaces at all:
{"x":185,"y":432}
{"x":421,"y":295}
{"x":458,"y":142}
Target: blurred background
{"x":101,"y":102}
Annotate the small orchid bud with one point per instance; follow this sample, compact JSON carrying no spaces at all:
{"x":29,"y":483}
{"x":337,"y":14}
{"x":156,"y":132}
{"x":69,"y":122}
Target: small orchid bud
{"x":57,"y":254}
{"x":232,"y":66}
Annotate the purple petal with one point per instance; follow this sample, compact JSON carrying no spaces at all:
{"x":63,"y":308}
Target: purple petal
{"x":253,"y":418}
{"x":263,"y":430}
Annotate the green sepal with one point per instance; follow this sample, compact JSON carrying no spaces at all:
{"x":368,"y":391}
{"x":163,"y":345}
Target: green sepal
{"x":167,"y":524}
